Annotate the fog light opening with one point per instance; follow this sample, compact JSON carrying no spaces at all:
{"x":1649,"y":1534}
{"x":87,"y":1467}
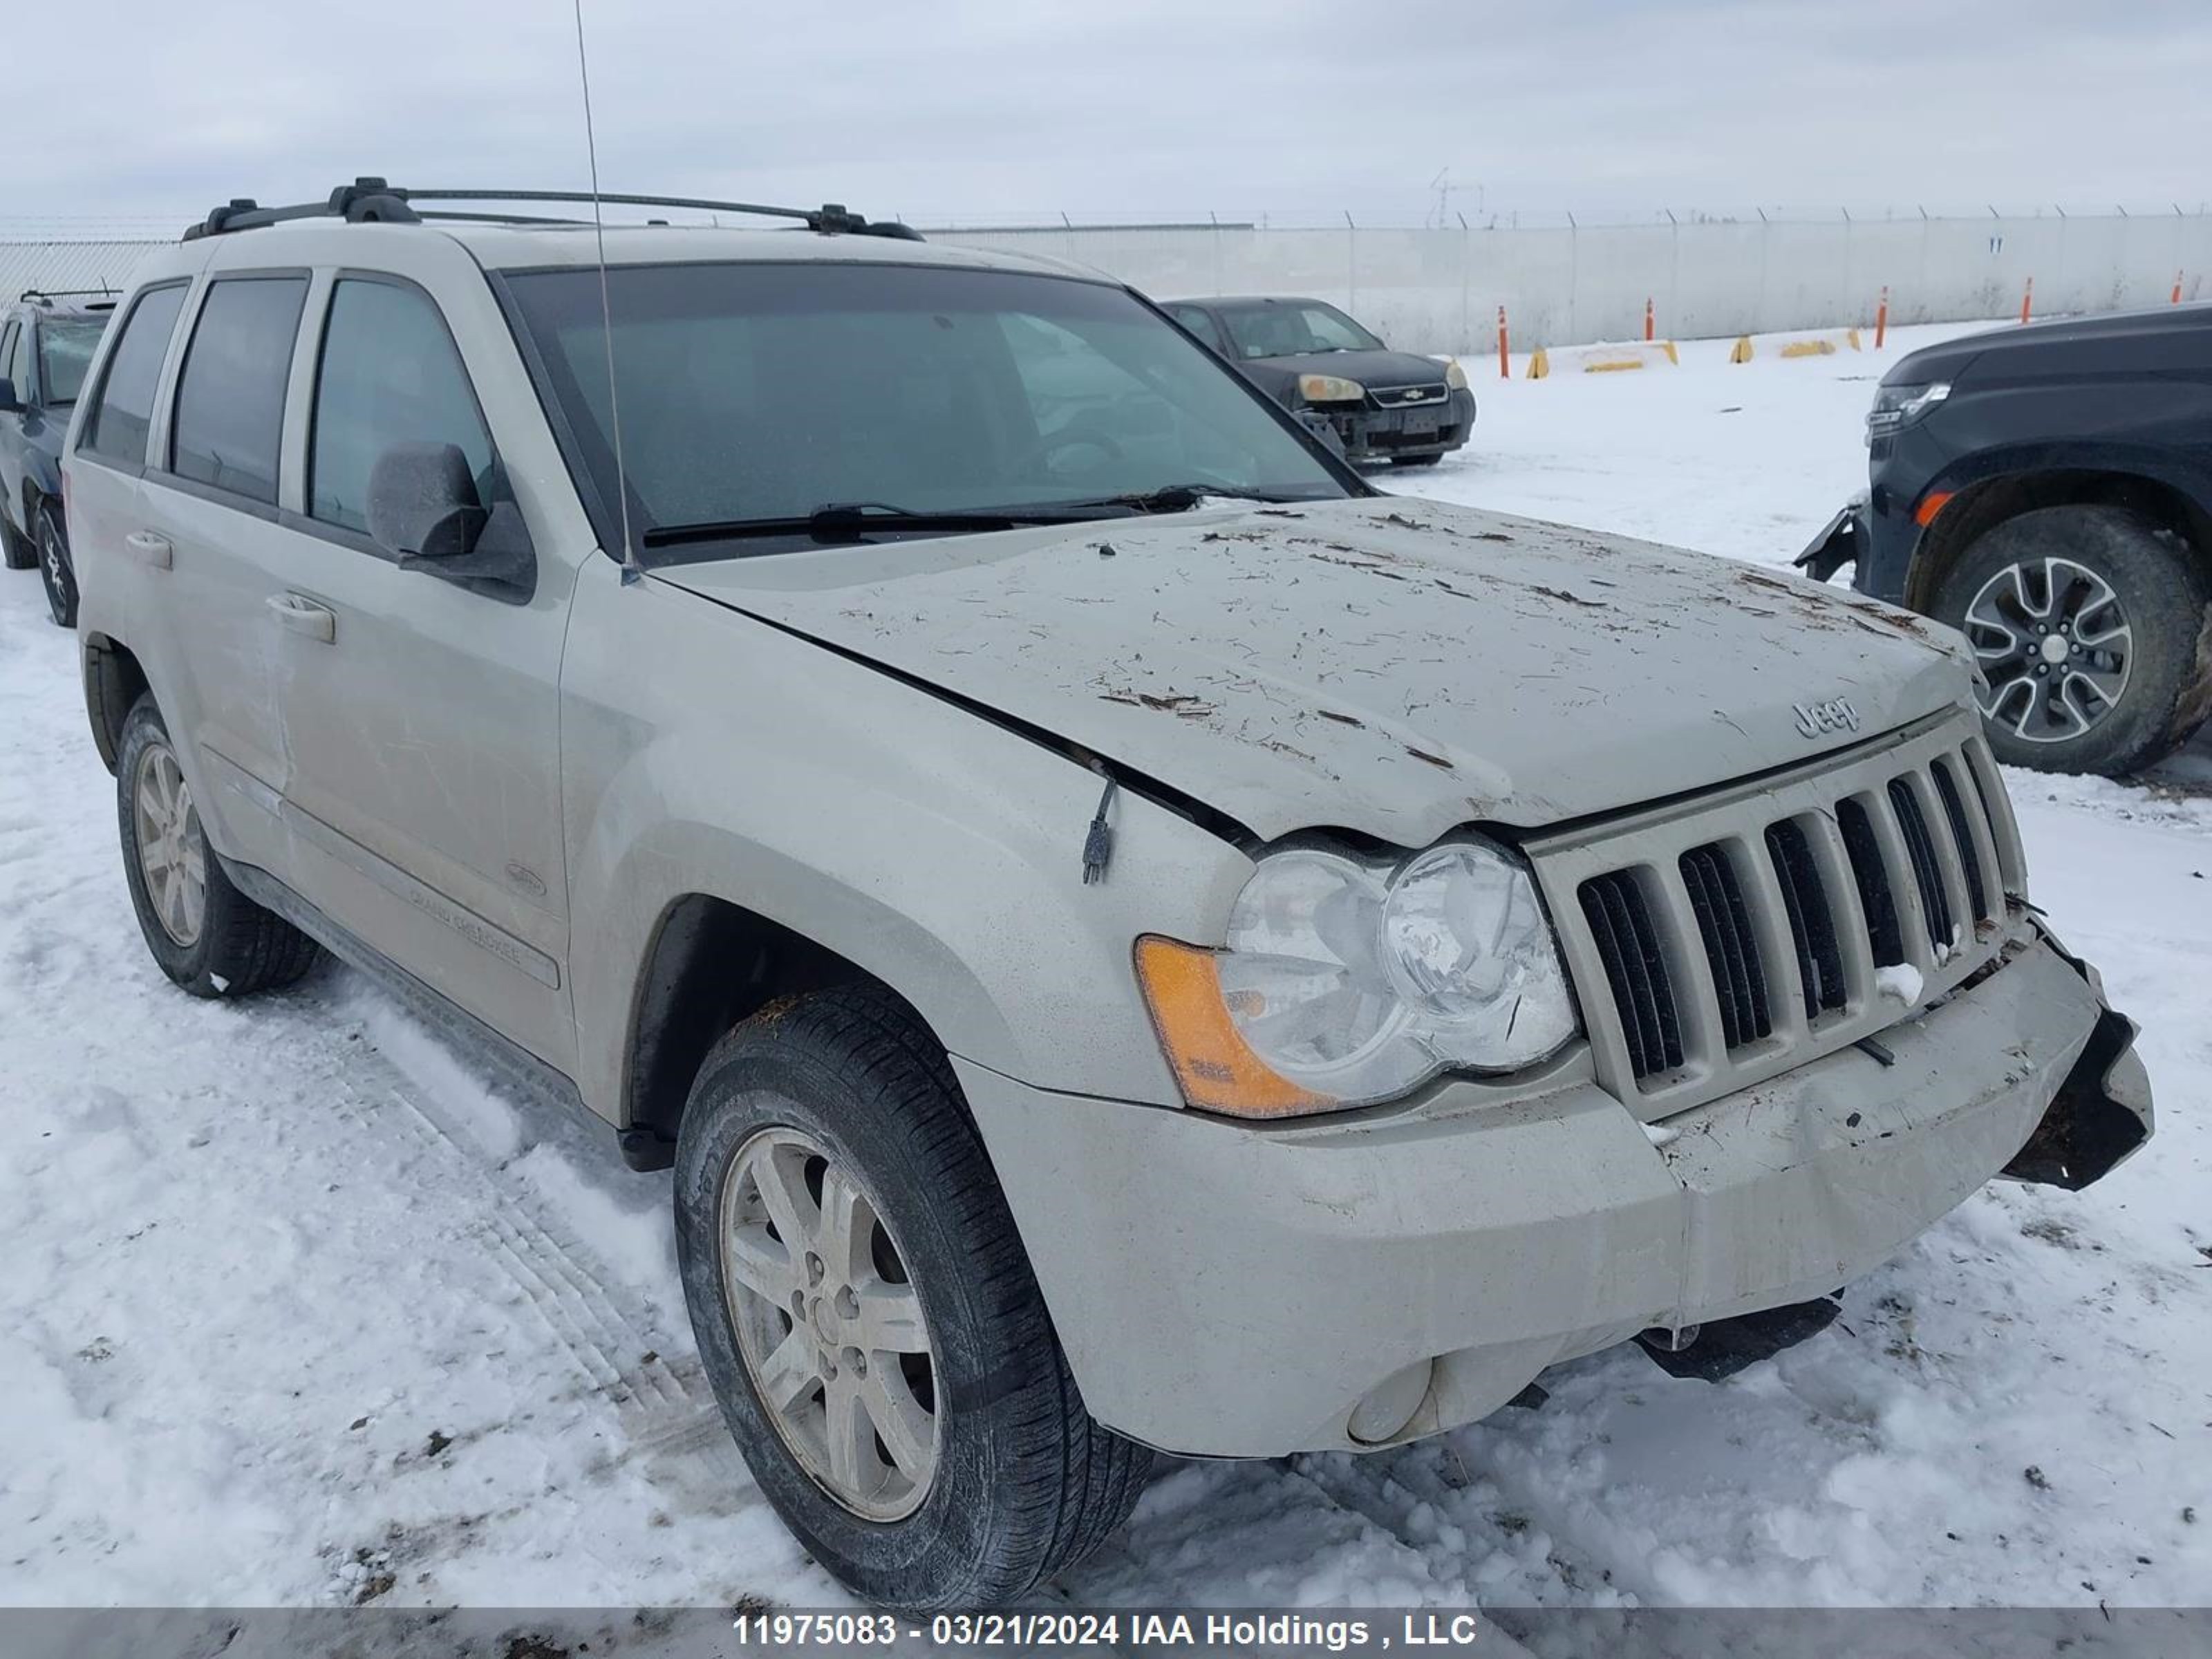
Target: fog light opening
{"x":1384,"y":1410}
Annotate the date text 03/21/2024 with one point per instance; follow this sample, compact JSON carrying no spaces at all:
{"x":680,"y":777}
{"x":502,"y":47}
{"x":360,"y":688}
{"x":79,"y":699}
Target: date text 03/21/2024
{"x":1291,"y":1631}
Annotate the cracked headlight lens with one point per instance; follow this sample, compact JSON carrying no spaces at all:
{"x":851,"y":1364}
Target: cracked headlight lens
{"x":1346,"y":980}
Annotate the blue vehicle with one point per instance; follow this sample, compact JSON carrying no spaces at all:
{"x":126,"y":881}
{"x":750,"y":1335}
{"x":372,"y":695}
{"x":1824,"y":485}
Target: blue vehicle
{"x":47,"y":342}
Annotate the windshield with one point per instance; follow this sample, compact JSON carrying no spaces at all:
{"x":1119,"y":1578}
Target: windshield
{"x":754,"y":391}
{"x":64,"y":353}
{"x":1295,"y":328}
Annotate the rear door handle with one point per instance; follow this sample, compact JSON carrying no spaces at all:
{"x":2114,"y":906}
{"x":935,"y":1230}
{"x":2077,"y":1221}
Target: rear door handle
{"x":151,"y":549}
{"x":303,"y":616}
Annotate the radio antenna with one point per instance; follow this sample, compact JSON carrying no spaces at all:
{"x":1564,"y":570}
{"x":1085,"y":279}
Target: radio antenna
{"x":631,"y":571}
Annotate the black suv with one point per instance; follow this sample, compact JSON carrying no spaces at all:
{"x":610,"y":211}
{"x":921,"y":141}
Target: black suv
{"x":47,"y":342}
{"x":1381,"y":404}
{"x":2047,"y":490}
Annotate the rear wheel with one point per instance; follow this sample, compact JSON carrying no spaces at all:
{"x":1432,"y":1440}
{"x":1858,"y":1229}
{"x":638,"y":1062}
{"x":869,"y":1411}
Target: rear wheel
{"x":1415,"y":460}
{"x":55,"y":569}
{"x":16,"y":549}
{"x":2090,"y":627}
{"x":868,"y":1318}
{"x":205,"y":934}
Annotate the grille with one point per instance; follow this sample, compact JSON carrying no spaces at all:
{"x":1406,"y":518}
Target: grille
{"x":1635,"y":970}
{"x":1812,"y":921}
{"x":1721,"y":944}
{"x":1877,"y":901}
{"x":1409,"y":397}
{"x":1731,"y":942}
{"x":1962,"y":835}
{"x":1927,"y":872}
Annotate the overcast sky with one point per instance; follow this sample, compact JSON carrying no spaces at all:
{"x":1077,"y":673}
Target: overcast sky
{"x":986,"y":111}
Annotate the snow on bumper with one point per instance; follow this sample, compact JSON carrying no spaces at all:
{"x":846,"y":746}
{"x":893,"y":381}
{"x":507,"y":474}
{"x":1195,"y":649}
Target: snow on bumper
{"x":1234,"y":1290}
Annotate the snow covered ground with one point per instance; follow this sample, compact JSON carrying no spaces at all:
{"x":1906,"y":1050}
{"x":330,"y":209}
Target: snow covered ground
{"x":297,"y":1309}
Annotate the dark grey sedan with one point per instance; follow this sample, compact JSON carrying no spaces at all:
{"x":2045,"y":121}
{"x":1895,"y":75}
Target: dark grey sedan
{"x":1382,"y":405}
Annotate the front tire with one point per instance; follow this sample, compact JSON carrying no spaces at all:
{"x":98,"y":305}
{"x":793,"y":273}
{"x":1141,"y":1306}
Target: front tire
{"x":869,"y":1320}
{"x":205,"y":933}
{"x":55,"y":569}
{"x":2090,"y":625}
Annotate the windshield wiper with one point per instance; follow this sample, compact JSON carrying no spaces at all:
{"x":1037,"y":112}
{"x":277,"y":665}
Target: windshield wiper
{"x":849,"y":522}
{"x":1180,"y":497}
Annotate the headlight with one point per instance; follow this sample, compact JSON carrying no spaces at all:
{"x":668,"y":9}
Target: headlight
{"x":1455,"y":376}
{"x":1330,"y":389}
{"x":1346,"y":980}
{"x":1896,"y":407}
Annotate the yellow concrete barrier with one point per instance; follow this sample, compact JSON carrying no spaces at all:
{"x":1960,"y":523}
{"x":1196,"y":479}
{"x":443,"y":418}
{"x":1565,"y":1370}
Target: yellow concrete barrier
{"x":1804,"y":345}
{"x":1612,"y":357}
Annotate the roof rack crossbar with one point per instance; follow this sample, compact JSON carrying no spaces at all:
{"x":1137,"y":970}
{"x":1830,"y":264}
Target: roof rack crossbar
{"x":48,"y":295}
{"x":373,"y":200}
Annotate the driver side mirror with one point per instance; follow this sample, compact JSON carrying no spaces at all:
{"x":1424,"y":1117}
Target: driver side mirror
{"x":423,"y":503}
{"x":10,"y":403}
{"x":424,"y":508}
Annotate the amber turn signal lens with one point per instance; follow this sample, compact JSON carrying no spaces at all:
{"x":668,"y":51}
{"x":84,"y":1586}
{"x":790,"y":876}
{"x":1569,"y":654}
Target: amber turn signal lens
{"x":1931,"y":504}
{"x":1217,"y":1068}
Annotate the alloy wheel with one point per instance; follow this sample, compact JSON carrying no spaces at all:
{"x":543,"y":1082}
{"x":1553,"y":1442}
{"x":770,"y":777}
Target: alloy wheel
{"x":2054,"y":646}
{"x":172,"y":850}
{"x":54,"y":567}
{"x":830,"y":1327}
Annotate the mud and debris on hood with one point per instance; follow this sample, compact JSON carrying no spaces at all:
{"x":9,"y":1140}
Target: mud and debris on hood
{"x":1383,"y":664}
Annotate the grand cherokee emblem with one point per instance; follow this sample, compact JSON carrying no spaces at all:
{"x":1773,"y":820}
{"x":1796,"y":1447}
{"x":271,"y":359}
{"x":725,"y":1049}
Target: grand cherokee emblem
{"x":1816,"y":718}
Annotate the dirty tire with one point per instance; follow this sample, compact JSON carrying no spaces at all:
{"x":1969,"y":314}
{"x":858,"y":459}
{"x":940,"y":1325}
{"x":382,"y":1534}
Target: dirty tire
{"x":55,"y":570}
{"x":2163,"y":592}
{"x":16,"y":551}
{"x":1415,"y":460}
{"x":240,"y":948}
{"x":1025,"y":1483}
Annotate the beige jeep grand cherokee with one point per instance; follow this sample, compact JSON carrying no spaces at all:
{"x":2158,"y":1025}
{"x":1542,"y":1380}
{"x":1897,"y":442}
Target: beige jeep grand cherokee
{"x":1129,"y":938}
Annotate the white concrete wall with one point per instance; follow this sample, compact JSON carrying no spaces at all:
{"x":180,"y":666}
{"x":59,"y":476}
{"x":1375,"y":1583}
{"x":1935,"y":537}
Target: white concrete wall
{"x":1439,"y":290}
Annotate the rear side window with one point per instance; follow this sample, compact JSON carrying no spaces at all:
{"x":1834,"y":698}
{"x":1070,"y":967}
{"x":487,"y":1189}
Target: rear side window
{"x":120,"y":420}
{"x":8,"y":359}
{"x":230,"y":396}
{"x":1198,"y":322}
{"x":389,"y":375}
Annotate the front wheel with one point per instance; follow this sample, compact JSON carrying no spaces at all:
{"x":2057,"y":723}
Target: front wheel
{"x":2091,"y":628}
{"x":1415,"y":460}
{"x":868,"y":1317}
{"x":55,"y":569}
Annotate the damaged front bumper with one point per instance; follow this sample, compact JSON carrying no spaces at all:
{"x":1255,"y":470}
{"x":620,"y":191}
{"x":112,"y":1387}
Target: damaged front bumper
{"x":1237,"y":1290}
{"x":1411,"y":432}
{"x":1842,"y":541}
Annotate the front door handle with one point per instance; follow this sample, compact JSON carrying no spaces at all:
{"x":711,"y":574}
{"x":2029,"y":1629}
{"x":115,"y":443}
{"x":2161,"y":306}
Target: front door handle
{"x":303,"y":616}
{"x":151,"y":548}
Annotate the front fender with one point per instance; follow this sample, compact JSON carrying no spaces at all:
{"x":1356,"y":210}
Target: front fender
{"x":705,"y":752}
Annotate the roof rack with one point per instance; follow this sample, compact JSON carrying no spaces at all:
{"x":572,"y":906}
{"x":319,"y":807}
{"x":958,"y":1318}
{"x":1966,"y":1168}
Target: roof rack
{"x":372,"y":201}
{"x":46,"y":296}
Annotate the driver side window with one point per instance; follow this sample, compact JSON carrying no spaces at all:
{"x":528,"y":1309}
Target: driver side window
{"x":390,"y":375}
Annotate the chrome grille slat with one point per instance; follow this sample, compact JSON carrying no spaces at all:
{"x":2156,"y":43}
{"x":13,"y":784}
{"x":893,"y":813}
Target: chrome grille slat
{"x":1721,"y":941}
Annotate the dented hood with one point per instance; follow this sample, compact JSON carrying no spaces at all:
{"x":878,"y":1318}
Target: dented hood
{"x":1383,"y":664}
